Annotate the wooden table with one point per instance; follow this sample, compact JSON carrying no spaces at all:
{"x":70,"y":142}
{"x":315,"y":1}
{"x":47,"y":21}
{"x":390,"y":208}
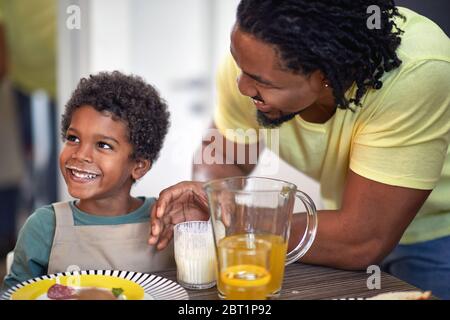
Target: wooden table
{"x":313,"y":282}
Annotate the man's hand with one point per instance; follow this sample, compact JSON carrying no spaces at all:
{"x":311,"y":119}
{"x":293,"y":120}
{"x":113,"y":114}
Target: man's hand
{"x":185,"y":201}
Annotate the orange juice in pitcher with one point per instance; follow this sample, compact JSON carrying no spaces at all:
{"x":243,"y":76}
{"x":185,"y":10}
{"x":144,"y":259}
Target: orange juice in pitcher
{"x":278,"y":248}
{"x":244,"y":264}
{"x":253,"y":210}
{"x":244,"y":282}
{"x":277,"y":260}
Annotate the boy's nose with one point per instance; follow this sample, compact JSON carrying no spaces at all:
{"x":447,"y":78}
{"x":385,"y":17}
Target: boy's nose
{"x":83,"y":153}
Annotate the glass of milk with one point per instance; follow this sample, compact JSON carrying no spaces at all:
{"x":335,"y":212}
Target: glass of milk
{"x":195,"y":254}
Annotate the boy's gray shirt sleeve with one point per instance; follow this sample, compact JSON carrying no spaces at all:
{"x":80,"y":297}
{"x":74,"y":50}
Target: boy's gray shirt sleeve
{"x":32,"y":251}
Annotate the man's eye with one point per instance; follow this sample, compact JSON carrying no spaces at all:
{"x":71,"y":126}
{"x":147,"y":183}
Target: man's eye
{"x":264,"y":85}
{"x":72,"y":138}
{"x":104,"y":145}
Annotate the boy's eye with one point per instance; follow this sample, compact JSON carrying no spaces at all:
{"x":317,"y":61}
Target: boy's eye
{"x":72,"y":138}
{"x":104,"y":145}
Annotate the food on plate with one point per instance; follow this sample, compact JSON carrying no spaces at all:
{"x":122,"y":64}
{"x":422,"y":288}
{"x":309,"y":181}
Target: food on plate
{"x":61,"y":292}
{"x":94,"y":294}
{"x":402,"y":295}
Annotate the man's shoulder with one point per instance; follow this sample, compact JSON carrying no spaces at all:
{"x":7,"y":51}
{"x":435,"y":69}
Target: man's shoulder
{"x":422,"y":39}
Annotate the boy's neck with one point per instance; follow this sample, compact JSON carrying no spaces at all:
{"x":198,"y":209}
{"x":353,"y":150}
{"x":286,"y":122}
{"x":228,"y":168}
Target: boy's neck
{"x":114,"y":206}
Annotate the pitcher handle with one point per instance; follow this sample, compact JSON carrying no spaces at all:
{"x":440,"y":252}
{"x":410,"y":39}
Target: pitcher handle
{"x":310,"y":231}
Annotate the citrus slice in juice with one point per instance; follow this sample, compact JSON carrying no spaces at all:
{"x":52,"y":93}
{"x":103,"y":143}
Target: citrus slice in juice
{"x":245,"y":275}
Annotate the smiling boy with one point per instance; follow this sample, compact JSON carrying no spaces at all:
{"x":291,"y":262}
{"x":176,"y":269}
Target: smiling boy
{"x":113,"y":129}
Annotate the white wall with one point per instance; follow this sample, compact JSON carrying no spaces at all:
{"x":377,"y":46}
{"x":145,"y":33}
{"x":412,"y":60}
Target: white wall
{"x":110,"y":35}
{"x":170,"y":48}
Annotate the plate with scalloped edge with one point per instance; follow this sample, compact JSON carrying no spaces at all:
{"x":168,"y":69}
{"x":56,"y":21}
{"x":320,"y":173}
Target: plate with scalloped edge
{"x":132,"y":285}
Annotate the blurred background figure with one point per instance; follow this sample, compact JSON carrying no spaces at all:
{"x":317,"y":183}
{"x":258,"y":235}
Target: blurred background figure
{"x":28,"y":112}
{"x":11,"y":168}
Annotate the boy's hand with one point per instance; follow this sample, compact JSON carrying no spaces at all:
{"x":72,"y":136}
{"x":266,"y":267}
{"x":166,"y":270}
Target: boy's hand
{"x":185,"y":201}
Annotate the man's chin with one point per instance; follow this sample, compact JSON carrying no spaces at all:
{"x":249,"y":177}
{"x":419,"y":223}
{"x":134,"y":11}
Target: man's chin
{"x":267,"y":122}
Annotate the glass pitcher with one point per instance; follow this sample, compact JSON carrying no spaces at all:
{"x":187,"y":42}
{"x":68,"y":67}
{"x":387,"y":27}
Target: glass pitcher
{"x":249,"y":208}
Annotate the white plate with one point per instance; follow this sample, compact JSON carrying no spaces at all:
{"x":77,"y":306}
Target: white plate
{"x":138,"y":286}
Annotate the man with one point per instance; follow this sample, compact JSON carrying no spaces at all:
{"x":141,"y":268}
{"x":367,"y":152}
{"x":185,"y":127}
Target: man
{"x":362,"y":109}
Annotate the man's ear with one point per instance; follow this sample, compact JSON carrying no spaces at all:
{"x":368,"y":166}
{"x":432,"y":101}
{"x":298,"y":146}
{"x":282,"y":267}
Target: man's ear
{"x":141,"y":167}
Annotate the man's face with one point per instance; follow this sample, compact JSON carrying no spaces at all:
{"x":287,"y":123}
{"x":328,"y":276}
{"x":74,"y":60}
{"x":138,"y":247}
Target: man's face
{"x":278,"y":94}
{"x":95,"y":160}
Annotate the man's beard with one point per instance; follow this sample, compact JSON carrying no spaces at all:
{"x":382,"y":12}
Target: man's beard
{"x":264,"y":121}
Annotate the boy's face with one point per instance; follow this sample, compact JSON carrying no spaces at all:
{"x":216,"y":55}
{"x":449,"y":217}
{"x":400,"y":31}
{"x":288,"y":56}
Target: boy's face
{"x":95,"y":160}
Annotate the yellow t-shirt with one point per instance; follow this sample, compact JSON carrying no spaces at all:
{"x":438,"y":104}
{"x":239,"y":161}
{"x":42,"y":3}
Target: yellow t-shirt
{"x":31,"y":43}
{"x":399,"y":137}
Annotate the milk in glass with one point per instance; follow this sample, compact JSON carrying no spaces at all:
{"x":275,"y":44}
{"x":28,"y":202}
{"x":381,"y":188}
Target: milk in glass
{"x":195,"y":254}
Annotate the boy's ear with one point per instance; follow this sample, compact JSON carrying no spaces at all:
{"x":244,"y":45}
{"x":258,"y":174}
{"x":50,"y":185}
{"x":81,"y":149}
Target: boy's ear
{"x":141,"y":167}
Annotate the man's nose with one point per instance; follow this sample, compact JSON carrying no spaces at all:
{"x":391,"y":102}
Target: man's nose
{"x":246,"y":85}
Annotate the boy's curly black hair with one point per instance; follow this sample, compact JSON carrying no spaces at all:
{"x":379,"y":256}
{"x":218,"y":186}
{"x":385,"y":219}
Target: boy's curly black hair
{"x":328,"y":35}
{"x":127,"y":98}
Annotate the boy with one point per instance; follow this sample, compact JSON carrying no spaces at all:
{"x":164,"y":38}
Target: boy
{"x":113,"y":129}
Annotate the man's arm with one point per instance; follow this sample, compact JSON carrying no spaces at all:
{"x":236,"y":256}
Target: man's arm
{"x":369,"y":225}
{"x":187,"y":201}
{"x":231,"y":162}
{"x":3,"y":57}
